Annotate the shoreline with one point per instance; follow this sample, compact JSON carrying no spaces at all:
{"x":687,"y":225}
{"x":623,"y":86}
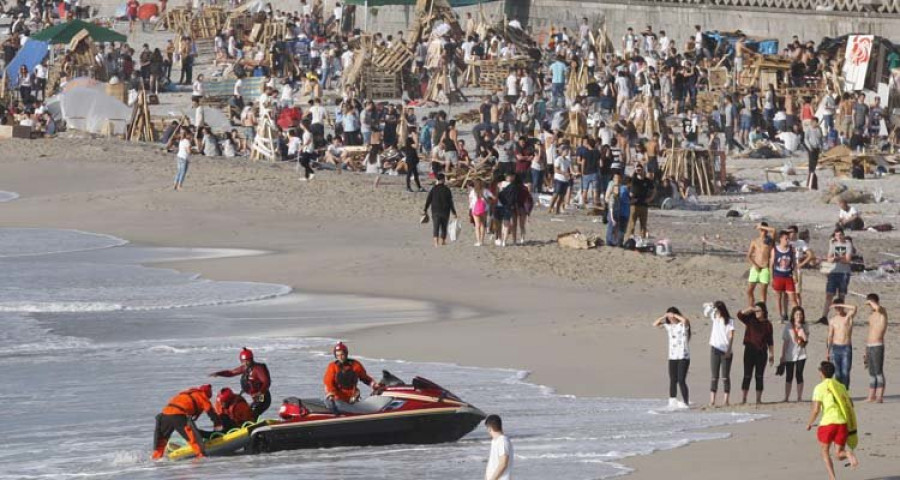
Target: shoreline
{"x":571,"y":335}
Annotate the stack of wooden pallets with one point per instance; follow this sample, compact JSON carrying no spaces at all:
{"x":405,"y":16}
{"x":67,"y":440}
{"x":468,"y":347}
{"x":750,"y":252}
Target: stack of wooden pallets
{"x":393,"y":59}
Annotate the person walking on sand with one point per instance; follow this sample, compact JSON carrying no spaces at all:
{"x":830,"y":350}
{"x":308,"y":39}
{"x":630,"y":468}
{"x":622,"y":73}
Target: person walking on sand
{"x":500,"y":460}
{"x":479,"y":204}
{"x":794,"y":338}
{"x":874,"y":356}
{"x":721,"y":340}
{"x":782,"y":263}
{"x":440,"y":199}
{"x":757,"y":340}
{"x":838,"y":423}
{"x":758,"y":257}
{"x":839,"y":348}
{"x":678,"y":329}
{"x":182,"y":158}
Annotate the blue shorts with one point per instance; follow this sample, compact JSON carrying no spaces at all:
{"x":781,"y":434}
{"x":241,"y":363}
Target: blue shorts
{"x":590,"y":179}
{"x":560,"y":187}
{"x":503,"y":213}
{"x":837,"y":283}
{"x":746,"y":122}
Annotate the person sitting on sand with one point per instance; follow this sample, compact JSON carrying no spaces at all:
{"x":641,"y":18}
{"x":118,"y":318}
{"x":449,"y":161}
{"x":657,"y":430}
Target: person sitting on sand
{"x":849,"y":218}
{"x":838,"y":423}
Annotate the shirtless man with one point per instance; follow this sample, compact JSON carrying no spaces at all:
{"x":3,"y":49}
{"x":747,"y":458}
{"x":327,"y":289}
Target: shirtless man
{"x":874,"y":356}
{"x":839,"y":348}
{"x":805,"y":256}
{"x":758,"y":257}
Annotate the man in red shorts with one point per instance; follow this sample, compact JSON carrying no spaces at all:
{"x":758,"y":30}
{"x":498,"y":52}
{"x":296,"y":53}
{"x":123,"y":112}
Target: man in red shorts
{"x":838,"y":423}
{"x":782,"y":262}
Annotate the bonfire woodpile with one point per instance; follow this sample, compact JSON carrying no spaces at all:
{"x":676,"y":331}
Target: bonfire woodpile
{"x":696,"y":166}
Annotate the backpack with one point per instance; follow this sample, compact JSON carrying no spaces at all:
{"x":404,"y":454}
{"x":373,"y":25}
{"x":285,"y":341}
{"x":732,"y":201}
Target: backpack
{"x":480,"y":207}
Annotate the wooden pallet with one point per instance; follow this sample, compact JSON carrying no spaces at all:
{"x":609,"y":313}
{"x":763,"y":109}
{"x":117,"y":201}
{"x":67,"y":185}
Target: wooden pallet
{"x":393,"y":59}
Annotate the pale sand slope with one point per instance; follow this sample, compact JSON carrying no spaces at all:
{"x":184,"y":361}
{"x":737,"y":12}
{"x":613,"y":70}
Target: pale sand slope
{"x":578,"y":320}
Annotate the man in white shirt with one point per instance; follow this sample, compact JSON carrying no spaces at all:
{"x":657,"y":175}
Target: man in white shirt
{"x":500,"y":460}
{"x":527,"y":84}
{"x":512,"y":86}
{"x":664,"y":42}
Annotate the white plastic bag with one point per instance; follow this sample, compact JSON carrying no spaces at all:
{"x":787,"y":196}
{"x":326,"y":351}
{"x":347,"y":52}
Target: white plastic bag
{"x":453,"y":229}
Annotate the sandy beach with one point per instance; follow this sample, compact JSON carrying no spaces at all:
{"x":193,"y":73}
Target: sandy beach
{"x":579,"y":321}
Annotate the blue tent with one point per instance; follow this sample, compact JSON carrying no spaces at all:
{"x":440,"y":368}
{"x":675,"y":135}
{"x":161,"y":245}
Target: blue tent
{"x":30,"y":55}
{"x":723,"y":42}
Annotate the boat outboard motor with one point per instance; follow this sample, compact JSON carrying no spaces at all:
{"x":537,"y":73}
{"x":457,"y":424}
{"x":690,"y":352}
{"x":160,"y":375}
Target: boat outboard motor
{"x":389,"y":380}
{"x":292,"y":409}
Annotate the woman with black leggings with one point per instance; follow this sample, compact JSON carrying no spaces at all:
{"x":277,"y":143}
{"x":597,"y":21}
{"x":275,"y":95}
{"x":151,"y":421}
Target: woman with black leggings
{"x":758,"y":345}
{"x":678,"y":329}
{"x":793,"y":352}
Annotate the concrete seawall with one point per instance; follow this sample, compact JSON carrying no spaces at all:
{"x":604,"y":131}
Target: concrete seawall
{"x":677,"y":20}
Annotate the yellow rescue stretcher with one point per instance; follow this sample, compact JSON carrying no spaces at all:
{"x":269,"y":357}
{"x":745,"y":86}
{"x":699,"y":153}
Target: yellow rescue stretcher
{"x":218,"y":443}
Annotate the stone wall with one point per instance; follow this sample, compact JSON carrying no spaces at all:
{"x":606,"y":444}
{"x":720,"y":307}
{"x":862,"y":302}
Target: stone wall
{"x":677,"y":20}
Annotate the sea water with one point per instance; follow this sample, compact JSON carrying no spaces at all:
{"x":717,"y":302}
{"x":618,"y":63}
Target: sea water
{"x":94,"y":340}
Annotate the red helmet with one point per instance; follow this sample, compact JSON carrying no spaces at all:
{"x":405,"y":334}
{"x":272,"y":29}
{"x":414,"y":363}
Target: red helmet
{"x":226,"y":395}
{"x":246,"y":354}
{"x":340,"y":347}
{"x":206,"y":389}
{"x":292,"y":409}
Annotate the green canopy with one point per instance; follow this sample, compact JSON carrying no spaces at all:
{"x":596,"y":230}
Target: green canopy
{"x":64,"y":32}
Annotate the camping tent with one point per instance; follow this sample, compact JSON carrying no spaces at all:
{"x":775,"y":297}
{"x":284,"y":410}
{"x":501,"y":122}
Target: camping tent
{"x":63,"y":33}
{"x":29,"y":55}
{"x":90,"y":110}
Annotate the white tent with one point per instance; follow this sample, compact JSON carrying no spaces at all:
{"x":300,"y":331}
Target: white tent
{"x":91,"y":110}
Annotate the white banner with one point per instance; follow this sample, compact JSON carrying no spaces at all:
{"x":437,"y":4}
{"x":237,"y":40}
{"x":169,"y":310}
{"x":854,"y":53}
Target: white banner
{"x":856,"y":61}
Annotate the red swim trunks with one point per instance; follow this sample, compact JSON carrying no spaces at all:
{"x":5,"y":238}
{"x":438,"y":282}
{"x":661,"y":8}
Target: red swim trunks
{"x":783,"y":284}
{"x":835,"y":433}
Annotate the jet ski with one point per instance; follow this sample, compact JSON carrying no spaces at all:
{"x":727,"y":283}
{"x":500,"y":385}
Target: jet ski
{"x":421,"y":412}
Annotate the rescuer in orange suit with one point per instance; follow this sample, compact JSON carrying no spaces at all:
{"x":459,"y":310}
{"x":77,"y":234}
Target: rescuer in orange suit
{"x":179,"y":415}
{"x":342,"y":377}
{"x":233,"y":410}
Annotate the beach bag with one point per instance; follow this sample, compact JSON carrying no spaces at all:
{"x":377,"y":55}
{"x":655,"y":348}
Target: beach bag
{"x":480,"y":207}
{"x":453,"y":229}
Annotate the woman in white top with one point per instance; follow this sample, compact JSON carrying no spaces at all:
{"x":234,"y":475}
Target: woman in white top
{"x":721,"y":339}
{"x":793,"y":352}
{"x":479,"y":205}
{"x":678,"y":329}
{"x":182,"y":158}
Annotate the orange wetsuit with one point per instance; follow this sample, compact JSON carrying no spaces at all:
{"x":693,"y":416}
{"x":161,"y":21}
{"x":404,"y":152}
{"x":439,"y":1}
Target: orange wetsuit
{"x":341,"y":379}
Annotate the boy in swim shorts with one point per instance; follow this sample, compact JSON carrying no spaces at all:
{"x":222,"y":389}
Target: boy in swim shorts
{"x":758,"y":258}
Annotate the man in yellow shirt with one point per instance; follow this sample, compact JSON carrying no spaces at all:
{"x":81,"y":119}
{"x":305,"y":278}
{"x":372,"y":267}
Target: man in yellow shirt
{"x":838,"y":423}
